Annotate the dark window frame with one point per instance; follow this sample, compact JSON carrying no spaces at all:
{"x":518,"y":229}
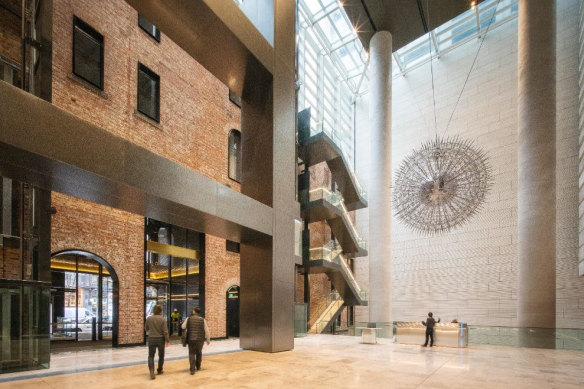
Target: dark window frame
{"x":232,"y":134}
{"x":144,"y":69}
{"x":232,"y":247}
{"x":156,"y":35}
{"x":99,"y":38}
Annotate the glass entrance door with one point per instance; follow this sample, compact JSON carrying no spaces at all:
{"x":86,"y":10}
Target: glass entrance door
{"x":82,"y":295}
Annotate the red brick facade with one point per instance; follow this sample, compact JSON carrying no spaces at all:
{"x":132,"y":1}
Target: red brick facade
{"x":9,"y":35}
{"x":222,"y":272}
{"x":117,"y":237}
{"x":195,"y":119}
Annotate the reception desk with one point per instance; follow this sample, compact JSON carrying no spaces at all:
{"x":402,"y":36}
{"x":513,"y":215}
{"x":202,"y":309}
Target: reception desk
{"x":445,"y":334}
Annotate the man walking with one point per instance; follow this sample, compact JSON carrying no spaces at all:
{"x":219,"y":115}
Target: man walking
{"x":430,"y":323}
{"x":157,"y":331}
{"x":197,"y":333}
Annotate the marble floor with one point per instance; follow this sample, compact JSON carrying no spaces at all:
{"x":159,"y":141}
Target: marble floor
{"x":342,"y":362}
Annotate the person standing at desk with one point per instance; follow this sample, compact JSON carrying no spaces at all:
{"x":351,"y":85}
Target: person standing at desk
{"x":430,"y":323}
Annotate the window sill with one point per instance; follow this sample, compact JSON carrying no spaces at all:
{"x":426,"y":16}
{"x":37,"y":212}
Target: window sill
{"x":87,"y":85}
{"x":145,"y":118}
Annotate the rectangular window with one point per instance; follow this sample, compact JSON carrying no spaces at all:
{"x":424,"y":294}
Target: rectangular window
{"x":150,"y":28}
{"x":232,"y":246}
{"x":148,"y":93}
{"x":87,"y":53}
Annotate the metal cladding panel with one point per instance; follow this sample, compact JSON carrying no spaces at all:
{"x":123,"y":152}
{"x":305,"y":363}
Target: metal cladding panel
{"x":55,"y":150}
{"x":256,"y":298}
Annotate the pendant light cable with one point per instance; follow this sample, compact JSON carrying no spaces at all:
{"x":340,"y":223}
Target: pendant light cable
{"x":471,"y":66}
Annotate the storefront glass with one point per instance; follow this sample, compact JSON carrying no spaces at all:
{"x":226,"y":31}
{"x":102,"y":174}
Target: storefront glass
{"x":82,"y":298}
{"x":173,"y":271}
{"x":24,"y":276}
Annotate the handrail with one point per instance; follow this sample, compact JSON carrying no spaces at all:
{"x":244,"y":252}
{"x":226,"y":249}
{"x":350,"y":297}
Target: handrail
{"x":332,"y":252}
{"x":335,"y":303}
{"x":336,"y":199}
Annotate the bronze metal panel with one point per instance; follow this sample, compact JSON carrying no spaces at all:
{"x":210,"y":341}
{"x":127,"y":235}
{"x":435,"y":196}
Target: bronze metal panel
{"x":175,"y":251}
{"x":58,"y":151}
{"x":286,"y":208}
{"x":257,"y":137}
{"x":256,"y":295}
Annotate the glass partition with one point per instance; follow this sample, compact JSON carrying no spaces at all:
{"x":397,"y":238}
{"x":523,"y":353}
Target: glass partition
{"x":24,"y":340}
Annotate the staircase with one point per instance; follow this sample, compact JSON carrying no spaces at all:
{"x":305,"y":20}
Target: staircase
{"x":329,"y":315}
{"x":322,"y":204}
{"x":333,"y":206}
{"x":329,"y":259}
{"x":325,"y":146}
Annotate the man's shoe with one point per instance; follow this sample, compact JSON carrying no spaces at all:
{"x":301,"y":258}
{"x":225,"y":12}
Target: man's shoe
{"x":160,"y":371}
{"x":152,"y":376}
{"x":192,"y":372}
{"x":424,"y":345}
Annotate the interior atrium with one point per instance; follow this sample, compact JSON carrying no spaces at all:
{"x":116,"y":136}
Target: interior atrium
{"x":330,"y":184}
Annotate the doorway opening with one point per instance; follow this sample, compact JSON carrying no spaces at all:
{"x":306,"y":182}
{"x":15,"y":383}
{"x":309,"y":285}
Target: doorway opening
{"x":232,"y":296}
{"x":84,"y":298}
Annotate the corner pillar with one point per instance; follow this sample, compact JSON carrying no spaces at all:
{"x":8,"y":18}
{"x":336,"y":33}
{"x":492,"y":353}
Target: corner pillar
{"x":536,"y":190}
{"x":380,"y":179}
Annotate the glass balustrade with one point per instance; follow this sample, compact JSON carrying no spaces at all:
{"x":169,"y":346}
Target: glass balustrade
{"x":335,"y":302}
{"x":337,"y":140}
{"x":332,"y":252}
{"x":336,"y":199}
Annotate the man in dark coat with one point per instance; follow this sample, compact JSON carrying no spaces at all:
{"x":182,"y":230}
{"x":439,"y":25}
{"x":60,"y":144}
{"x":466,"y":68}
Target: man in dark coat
{"x":197,"y":334}
{"x":430,"y":323}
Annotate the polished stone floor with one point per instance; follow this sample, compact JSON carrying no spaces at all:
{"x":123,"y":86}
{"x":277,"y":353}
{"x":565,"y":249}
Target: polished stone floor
{"x":342,"y":362}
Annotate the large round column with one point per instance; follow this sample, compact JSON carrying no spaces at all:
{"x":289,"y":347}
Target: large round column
{"x":536,"y":190}
{"x":380,"y":179}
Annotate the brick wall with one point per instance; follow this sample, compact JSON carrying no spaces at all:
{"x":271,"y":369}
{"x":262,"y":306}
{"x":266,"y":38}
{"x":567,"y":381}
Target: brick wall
{"x":222,"y":272}
{"x":581,"y":141}
{"x":195,"y":112}
{"x":9,"y":35}
{"x":195,"y":119}
{"x":471,"y":273}
{"x":10,"y":259}
{"x":117,"y":237}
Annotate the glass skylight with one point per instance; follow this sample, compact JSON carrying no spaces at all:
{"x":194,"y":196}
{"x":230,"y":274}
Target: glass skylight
{"x":454,"y":33}
{"x":331,"y":67}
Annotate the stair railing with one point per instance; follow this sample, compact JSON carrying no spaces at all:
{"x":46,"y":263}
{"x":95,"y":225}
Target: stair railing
{"x":332,"y":134}
{"x":336,"y":199}
{"x":323,"y":320}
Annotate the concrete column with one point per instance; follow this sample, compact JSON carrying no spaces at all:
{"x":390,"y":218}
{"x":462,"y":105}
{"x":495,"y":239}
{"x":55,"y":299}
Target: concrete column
{"x":380,"y":179}
{"x":537,"y":164}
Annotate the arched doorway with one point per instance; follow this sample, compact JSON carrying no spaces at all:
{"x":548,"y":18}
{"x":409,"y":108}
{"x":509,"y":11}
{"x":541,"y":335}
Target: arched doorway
{"x":232,"y":296}
{"x":84,"y":298}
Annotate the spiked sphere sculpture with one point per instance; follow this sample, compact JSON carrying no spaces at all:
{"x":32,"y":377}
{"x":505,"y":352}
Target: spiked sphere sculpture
{"x":441,"y":185}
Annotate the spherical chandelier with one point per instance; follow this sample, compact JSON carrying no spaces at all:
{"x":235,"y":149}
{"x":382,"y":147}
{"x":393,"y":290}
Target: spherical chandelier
{"x":441,"y":185}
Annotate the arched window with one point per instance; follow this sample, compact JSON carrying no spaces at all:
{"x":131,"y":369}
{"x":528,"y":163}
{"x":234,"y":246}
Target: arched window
{"x":235,"y":155}
{"x":84,"y":297}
